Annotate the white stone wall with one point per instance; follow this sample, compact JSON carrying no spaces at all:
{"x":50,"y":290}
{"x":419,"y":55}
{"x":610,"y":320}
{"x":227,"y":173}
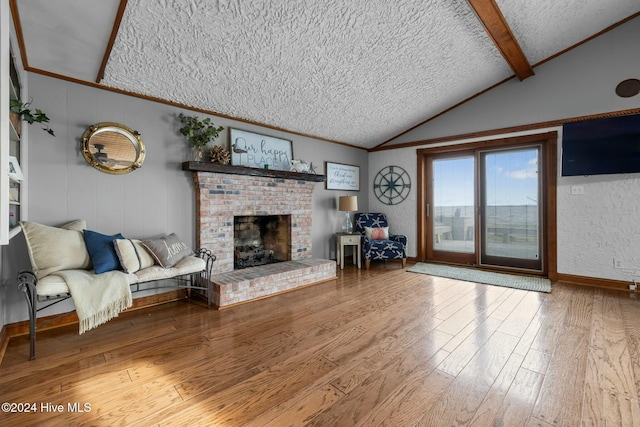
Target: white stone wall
{"x":599,"y":226}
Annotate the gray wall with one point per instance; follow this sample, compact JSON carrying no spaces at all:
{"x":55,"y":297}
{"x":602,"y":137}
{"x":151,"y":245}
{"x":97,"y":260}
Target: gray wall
{"x":154,"y":200}
{"x":594,"y":227}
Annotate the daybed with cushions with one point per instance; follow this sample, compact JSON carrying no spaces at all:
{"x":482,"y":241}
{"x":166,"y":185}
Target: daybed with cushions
{"x":99,"y":271}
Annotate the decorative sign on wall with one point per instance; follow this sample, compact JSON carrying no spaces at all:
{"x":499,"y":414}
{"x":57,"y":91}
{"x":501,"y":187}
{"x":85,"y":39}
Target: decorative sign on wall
{"x":342,"y":177}
{"x":260,"y":151}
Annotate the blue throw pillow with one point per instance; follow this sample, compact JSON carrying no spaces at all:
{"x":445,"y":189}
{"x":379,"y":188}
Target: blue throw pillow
{"x":102,"y":251}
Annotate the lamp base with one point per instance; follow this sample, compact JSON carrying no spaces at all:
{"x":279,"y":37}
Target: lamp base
{"x":347,"y":227}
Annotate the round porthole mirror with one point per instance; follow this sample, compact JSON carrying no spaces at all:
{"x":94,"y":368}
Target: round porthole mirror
{"x":112,"y":148}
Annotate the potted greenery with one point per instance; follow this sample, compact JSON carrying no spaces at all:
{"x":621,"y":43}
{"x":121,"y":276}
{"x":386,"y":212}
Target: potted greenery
{"x":30,"y":116}
{"x":199,"y":133}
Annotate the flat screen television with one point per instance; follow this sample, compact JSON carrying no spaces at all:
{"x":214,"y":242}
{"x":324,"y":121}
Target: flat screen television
{"x":601,"y":146}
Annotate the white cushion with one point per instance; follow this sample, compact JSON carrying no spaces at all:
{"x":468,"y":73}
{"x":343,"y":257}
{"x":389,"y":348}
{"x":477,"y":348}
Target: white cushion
{"x":190,"y":264}
{"x":187,"y":265}
{"x":56,"y":248}
{"x":55,"y":285}
{"x":52,"y":285}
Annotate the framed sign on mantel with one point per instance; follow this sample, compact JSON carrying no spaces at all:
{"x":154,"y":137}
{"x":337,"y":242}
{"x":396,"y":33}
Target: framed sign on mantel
{"x":342,"y":177}
{"x":260,"y":151}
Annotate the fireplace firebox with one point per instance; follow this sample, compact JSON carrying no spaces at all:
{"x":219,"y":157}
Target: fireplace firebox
{"x":261,"y":239}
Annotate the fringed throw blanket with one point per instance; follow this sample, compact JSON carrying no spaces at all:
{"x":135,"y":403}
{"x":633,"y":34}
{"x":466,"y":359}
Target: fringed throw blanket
{"x":97,"y":297}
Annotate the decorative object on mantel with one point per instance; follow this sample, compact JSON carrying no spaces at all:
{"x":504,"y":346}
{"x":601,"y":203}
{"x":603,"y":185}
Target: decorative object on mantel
{"x":348,"y":204}
{"x":218,"y":154}
{"x":392,"y":185}
{"x":16,"y":106}
{"x":255,"y":150}
{"x":300,"y":166}
{"x":199,"y":133}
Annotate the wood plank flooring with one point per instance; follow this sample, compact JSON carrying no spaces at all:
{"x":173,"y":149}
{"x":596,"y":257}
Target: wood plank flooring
{"x":382,"y":347}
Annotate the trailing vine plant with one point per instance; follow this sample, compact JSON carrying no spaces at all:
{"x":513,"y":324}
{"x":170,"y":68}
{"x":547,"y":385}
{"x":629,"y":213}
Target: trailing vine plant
{"x":30,"y":116}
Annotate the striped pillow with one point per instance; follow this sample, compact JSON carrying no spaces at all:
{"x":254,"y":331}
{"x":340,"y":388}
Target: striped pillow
{"x":133,"y":255}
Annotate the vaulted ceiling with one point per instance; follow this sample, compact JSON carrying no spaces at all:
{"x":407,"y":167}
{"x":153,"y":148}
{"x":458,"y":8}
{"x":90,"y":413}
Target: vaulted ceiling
{"x":357,"y":72}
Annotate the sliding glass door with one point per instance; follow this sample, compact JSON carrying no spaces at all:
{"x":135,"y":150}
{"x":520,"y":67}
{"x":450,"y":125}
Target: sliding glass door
{"x":484,"y":207}
{"x":510,"y":192}
{"x":452,"y":208}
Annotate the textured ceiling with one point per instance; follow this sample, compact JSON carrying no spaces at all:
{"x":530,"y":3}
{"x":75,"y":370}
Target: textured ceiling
{"x":357,"y":72}
{"x":546,"y":27}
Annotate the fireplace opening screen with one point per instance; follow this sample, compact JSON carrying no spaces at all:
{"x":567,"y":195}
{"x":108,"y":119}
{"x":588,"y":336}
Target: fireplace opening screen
{"x":261,"y":239}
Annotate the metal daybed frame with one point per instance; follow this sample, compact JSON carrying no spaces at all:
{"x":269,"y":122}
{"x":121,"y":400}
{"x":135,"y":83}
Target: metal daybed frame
{"x":199,"y":281}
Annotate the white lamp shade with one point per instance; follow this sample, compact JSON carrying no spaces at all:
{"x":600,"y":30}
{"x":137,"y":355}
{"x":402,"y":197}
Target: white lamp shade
{"x":348,"y":203}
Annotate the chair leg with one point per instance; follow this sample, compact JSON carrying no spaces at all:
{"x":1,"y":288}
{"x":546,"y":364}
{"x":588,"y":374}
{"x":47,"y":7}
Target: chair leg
{"x":404,"y":262}
{"x":367,"y":263}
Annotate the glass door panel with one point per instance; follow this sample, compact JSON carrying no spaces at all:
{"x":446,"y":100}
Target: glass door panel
{"x":453,"y":205}
{"x":509,"y":207}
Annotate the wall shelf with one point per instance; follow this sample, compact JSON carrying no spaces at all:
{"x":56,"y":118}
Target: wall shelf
{"x":14,"y":194}
{"x":13,"y":90}
{"x":13,"y":134}
{"x":14,"y":231}
{"x":243,"y":170}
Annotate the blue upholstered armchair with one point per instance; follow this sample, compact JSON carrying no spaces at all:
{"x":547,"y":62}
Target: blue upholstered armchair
{"x":378,"y":245}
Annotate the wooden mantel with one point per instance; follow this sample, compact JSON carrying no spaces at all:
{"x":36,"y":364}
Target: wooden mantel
{"x":242,"y":170}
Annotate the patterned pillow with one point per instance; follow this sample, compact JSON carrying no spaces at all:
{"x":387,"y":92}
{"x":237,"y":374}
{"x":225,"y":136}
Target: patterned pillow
{"x":133,"y":255}
{"x":377,"y":233}
{"x":53,"y":249}
{"x":167,"y":250}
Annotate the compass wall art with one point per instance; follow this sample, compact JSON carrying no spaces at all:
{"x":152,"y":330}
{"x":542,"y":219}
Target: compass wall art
{"x":392,"y":185}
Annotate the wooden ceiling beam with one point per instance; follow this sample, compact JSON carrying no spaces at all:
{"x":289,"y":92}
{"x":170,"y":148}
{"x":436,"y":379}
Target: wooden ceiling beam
{"x":112,"y":39}
{"x":496,"y":26}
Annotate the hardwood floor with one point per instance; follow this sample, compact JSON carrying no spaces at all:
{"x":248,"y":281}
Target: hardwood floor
{"x":372,"y":348}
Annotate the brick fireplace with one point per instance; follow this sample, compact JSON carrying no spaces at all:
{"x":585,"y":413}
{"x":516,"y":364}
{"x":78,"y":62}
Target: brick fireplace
{"x":225,"y":192}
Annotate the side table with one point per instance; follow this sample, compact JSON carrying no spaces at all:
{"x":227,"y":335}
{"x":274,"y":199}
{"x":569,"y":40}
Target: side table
{"x":348,"y":239}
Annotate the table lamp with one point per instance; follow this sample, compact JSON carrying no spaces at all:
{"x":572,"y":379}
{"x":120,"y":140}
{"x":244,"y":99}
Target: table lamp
{"x":348,"y":204}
